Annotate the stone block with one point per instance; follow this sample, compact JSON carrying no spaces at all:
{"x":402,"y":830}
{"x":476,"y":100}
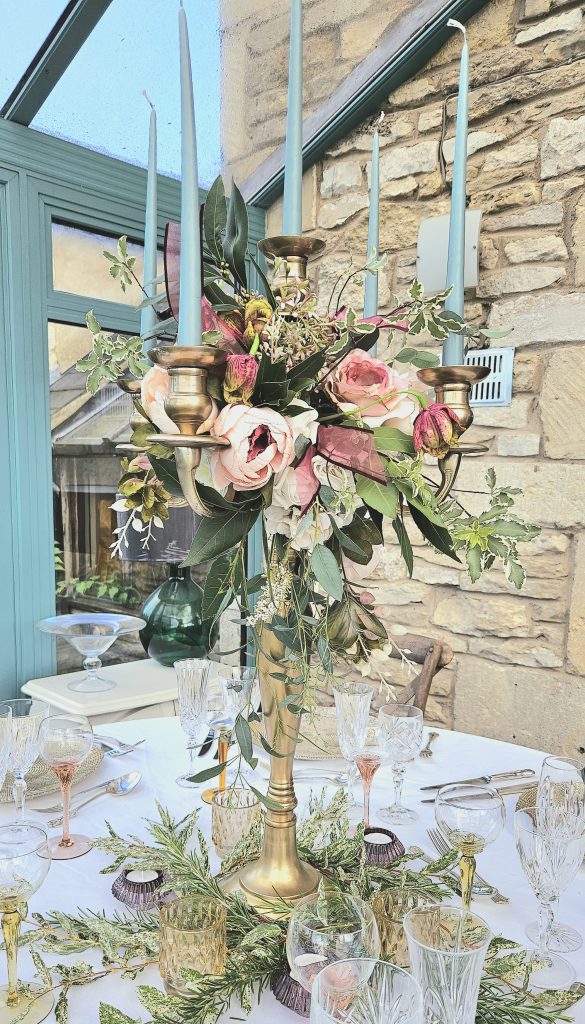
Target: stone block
{"x":523,"y":152}
{"x":340,"y":177}
{"x":578,"y":240}
{"x":576,"y":631}
{"x":535,"y":707}
{"x":489,"y":254}
{"x":512,"y":417}
{"x":571,"y":21}
{"x":541,"y":319}
{"x":438,"y":713}
{"x":430,"y":119}
{"x":359,"y":36}
{"x":496,"y":199}
{"x":552,"y":491}
{"x":537,"y":216}
{"x":524,"y":278}
{"x":517,"y":652}
{"x":437,"y":575}
{"x":398,"y":187}
{"x":562,"y":409}
{"x":473,"y":615}
{"x":535,"y":8}
{"x":406,"y":160}
{"x":558,"y":189}
{"x":563,"y":147}
{"x":476,"y":141}
{"x":527,"y":372}
{"x":542,"y":247}
{"x":338,"y":211}
{"x":523,"y":445}
{"x":537,"y":588}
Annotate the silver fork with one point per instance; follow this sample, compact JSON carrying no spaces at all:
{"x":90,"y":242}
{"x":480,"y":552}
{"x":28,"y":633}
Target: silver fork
{"x":442,"y":846}
{"x":125,"y":748}
{"x":426,"y":751}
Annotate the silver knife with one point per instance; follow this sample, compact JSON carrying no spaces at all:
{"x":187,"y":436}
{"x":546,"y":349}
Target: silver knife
{"x":520,"y":787}
{"x":522,"y":773}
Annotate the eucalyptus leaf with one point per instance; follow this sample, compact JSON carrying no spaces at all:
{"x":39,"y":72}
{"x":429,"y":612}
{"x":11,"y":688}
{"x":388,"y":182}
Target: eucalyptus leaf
{"x":326,"y":570}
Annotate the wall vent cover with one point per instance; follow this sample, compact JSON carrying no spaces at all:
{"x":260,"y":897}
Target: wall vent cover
{"x":497,"y":388}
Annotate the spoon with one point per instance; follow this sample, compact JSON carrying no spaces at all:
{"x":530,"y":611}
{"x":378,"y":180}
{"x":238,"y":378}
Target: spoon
{"x":116,"y":787}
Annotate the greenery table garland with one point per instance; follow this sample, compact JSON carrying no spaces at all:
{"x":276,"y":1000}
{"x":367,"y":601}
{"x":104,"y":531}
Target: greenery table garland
{"x":128,"y":941}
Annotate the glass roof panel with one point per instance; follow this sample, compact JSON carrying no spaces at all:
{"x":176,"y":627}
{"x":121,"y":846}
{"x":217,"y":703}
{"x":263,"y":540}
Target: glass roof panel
{"x":25,"y":26}
{"x":98,"y":102}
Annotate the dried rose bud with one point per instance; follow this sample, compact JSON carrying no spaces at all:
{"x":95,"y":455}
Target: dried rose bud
{"x":257,"y":314}
{"x":436,"y":430}
{"x":239,"y":380}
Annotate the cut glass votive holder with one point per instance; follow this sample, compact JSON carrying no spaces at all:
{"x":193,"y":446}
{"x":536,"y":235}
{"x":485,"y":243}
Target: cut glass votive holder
{"x":390,"y":908}
{"x":234,"y":812}
{"x":192,"y":937}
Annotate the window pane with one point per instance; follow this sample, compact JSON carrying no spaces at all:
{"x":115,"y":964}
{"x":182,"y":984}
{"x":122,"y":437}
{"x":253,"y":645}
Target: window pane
{"x":80,"y":267}
{"x":25,"y":26}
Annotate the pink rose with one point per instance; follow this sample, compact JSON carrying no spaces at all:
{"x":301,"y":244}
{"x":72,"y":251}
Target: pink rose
{"x":154,"y":389}
{"x":361,"y":381}
{"x":261,"y":444}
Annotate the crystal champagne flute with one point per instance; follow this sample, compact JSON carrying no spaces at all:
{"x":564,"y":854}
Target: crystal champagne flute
{"x":65,"y":741}
{"x":352,"y":715}
{"x":368,"y":760}
{"x":26,"y":718}
{"x":5,"y":739}
{"x":23,"y":866}
{"x":470,"y":818}
{"x":550,"y":862}
{"x":192,"y":683}
{"x":401,"y":734}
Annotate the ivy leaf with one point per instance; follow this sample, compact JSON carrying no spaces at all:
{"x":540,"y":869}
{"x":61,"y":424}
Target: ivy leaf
{"x":516,"y":574}
{"x":326,"y":570}
{"x":382,"y":497}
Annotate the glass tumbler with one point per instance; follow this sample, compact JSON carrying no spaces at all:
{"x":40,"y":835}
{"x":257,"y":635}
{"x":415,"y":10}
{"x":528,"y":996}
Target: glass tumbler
{"x":233,"y":813}
{"x":192,"y":936}
{"x":447,"y":948}
{"x":365,"y":991}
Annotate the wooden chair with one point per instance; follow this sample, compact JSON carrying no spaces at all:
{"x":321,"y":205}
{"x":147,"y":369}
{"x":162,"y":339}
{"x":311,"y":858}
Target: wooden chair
{"x":433,"y":655}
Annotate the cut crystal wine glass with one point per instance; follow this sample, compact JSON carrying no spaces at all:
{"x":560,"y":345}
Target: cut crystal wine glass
{"x":64,"y":742}
{"x":401,"y":735}
{"x":27,"y":713}
{"x":193,"y":689}
{"x":5,"y":739}
{"x":23,"y":868}
{"x":550,"y":862}
{"x":470,"y":818}
{"x":325,"y":927}
{"x":560,"y":804}
{"x":352,"y":716}
{"x":365,"y":991}
{"x":91,"y":635}
{"x":447,"y":948}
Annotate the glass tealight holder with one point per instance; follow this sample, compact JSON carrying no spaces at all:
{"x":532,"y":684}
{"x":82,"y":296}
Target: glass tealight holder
{"x":234,"y":812}
{"x":192,"y":937}
{"x":390,"y":908}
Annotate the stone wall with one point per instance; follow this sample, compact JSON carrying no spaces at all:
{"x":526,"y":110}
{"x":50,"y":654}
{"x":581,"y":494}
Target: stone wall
{"x":519,"y":671}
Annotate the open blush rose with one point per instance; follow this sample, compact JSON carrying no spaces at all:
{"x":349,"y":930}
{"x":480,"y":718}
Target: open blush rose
{"x":261,"y":444}
{"x":361,"y":381}
{"x":154,"y":388}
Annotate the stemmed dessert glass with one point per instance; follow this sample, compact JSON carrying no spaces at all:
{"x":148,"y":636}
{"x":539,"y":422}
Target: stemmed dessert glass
{"x":470,"y":818}
{"x":193,"y":688}
{"x":401,"y":735}
{"x":560,"y":808}
{"x":352,"y":715}
{"x":27,"y":713}
{"x":325,"y":927}
{"x":368,"y":760}
{"x":23,"y":866}
{"x":65,"y":741}
{"x":91,"y":634}
{"x":550,"y":862}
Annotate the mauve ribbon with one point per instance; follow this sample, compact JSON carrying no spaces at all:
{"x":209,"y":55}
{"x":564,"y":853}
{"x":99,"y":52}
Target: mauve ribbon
{"x":352,"y":448}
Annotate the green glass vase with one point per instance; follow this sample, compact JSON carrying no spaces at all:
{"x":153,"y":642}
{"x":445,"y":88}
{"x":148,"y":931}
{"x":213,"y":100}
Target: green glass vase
{"x":175,"y":627}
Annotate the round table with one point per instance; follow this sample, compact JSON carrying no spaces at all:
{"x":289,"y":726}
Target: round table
{"x":163,"y":756}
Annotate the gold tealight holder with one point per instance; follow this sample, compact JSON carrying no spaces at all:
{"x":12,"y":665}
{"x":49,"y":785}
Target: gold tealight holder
{"x":452,"y":386}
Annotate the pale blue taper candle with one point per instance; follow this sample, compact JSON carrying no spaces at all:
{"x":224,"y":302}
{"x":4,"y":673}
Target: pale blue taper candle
{"x":371,"y":285}
{"x":148,"y":317}
{"x":453,"y":346}
{"x":292,"y":210}
{"x":190,"y":262}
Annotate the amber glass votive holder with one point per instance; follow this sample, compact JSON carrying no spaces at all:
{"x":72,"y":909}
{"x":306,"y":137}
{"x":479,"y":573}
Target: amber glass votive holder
{"x":390,"y":908}
{"x":233,"y":813}
{"x":192,"y":936}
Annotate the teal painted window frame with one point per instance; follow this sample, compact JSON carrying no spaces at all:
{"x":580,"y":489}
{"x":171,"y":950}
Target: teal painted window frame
{"x":42,"y":178}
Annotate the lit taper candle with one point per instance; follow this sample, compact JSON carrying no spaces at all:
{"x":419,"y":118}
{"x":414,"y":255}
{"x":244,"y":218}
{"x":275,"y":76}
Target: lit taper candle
{"x":453,"y":346}
{"x":292,"y":210}
{"x":371,"y":285}
{"x":190,"y":262}
{"x":148,"y":316}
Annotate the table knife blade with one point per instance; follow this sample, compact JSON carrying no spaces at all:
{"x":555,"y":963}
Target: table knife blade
{"x":520,"y":787}
{"x":521,"y":773}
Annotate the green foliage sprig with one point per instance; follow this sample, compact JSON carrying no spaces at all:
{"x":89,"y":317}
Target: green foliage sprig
{"x":111,"y":356}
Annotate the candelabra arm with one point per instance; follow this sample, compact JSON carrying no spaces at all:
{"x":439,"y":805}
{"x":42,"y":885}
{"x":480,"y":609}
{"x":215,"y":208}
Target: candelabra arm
{"x":187,"y":461}
{"x":449,"y":468}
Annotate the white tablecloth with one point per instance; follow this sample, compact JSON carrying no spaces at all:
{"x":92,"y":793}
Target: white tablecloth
{"x":77,"y":883}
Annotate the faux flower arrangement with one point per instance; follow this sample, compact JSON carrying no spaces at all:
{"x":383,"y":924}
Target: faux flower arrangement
{"x":328,"y":443}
